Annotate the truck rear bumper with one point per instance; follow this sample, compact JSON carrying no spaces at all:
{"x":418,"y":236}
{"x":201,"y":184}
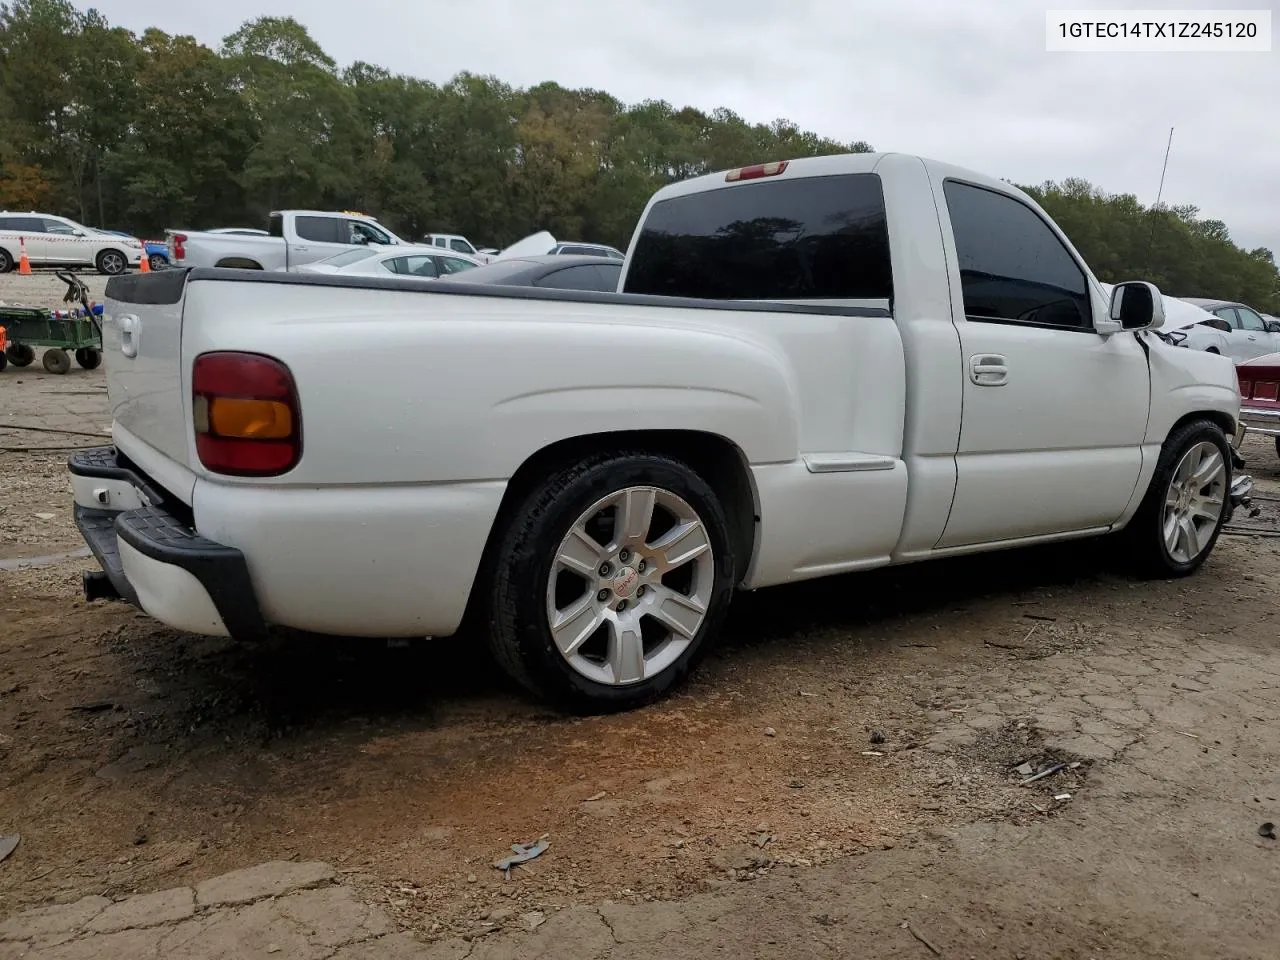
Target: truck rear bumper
{"x":1261,"y":420}
{"x":154,"y":559}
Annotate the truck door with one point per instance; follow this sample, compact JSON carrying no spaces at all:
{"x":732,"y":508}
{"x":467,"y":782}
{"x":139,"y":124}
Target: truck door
{"x":316,"y":237}
{"x":1053,"y":413}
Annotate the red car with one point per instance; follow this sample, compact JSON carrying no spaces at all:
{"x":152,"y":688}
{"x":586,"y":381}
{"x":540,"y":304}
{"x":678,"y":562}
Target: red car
{"x":1260,"y":395}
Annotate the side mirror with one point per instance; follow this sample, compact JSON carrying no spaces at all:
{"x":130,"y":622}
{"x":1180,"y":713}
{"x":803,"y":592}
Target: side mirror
{"x":1273,"y":326}
{"x":1136,"y":305}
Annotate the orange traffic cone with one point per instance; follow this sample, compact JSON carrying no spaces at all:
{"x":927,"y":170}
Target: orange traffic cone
{"x":24,"y":265}
{"x":144,"y":265}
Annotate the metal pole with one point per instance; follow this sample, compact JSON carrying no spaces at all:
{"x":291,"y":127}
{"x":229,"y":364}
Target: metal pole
{"x":1168,"y":147}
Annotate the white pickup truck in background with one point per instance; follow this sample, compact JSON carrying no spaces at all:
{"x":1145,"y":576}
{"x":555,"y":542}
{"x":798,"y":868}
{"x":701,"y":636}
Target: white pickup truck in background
{"x":294,"y":237}
{"x":813,"y":368}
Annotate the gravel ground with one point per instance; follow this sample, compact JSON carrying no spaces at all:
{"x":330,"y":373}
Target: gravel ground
{"x":845,"y":760}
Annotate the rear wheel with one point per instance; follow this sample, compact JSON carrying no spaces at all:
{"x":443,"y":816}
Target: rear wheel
{"x":1180,"y":519}
{"x":56,"y":360}
{"x":6,"y":261}
{"x":89,"y":357}
{"x":20,"y":354}
{"x":157,"y":261}
{"x":610,"y":582}
{"x":111,"y":262}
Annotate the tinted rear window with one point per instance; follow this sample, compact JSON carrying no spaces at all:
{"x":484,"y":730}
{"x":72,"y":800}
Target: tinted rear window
{"x":804,"y":239}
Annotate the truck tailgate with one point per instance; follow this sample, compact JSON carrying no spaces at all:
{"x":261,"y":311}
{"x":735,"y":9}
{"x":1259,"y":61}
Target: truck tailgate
{"x":142,"y":354}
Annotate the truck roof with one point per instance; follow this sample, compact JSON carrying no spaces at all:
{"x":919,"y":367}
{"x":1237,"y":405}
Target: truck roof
{"x":835,"y":165}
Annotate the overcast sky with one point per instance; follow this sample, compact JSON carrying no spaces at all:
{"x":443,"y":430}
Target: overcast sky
{"x":969,"y":83}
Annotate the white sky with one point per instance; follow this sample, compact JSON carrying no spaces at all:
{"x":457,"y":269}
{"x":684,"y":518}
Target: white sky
{"x":969,"y":83}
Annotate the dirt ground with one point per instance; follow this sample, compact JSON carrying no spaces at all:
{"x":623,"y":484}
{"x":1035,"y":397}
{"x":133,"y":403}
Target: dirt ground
{"x":842,"y":765}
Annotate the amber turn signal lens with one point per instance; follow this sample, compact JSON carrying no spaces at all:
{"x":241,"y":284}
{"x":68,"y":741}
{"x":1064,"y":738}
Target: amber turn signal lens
{"x":249,"y":419}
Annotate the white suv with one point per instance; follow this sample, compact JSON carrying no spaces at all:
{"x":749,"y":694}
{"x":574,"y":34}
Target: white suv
{"x":57,"y":242}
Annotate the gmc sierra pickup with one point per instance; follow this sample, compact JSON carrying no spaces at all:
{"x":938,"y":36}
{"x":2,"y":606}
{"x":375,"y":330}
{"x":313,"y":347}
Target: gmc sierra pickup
{"x":811,"y":368}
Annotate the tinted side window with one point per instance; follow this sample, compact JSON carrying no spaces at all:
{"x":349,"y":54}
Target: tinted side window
{"x":1012,"y":265}
{"x":1228,"y":314}
{"x":57,"y":226}
{"x":27,"y":224}
{"x":370,"y":234}
{"x":322,"y":229}
{"x":584,"y":276}
{"x":804,"y":239}
{"x":1250,"y":320}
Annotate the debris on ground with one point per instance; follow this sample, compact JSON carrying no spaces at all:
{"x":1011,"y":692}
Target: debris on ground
{"x":1267,"y":830}
{"x":921,"y":937}
{"x":1024,"y":770}
{"x":522,"y":853}
{"x":596,"y":796}
{"x":1062,"y":797}
{"x":770,"y":732}
{"x":877,"y":737}
{"x":1047,"y":772}
{"x":8,"y":844}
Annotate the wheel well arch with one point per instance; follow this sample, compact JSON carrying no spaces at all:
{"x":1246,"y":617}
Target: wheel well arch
{"x":242,"y":263}
{"x":718,"y":460}
{"x":1216,"y":417}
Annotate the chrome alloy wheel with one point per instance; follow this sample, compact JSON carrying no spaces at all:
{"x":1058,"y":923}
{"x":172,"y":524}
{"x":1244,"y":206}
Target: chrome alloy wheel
{"x":630,"y":585}
{"x":1193,"y":503}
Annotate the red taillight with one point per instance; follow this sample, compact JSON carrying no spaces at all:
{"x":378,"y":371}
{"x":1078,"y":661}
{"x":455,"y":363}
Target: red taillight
{"x":246,"y":416}
{"x":755,"y":171}
{"x":179,"y":251}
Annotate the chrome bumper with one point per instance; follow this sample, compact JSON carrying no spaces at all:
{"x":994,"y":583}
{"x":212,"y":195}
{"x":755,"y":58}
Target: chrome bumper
{"x":1256,"y":420}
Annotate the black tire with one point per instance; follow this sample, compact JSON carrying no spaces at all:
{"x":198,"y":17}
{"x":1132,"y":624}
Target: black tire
{"x":1278,"y":446}
{"x":6,"y":260}
{"x":1145,"y":531}
{"x":89,"y":357}
{"x":157,"y":261}
{"x":112,"y":263}
{"x":20,"y":354}
{"x":56,"y":360}
{"x":520,"y":569}
{"x":4,"y":362}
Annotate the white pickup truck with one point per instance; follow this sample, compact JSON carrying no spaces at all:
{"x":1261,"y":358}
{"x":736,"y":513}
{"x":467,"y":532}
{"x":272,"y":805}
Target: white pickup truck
{"x":813,"y":368}
{"x":293,"y":237}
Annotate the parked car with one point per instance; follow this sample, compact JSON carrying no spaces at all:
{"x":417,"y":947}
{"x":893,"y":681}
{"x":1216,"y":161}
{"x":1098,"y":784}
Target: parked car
{"x":403,"y":260}
{"x":53,"y":241}
{"x":157,"y":251}
{"x":918,"y":365}
{"x":295,"y":237}
{"x":588,"y":250}
{"x":1260,"y":395}
{"x":1249,"y":334}
{"x":557,"y":272}
{"x":1186,"y":325}
{"x":458,"y":244}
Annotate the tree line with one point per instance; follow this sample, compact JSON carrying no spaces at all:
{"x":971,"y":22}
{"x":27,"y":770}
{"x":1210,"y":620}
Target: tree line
{"x":146,"y":132}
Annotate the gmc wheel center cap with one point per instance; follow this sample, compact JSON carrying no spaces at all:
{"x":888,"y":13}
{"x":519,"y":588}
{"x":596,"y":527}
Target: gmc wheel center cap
{"x":625,"y":581}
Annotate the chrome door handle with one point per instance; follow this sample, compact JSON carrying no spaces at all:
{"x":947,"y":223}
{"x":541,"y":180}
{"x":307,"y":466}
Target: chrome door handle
{"x":989,"y":370}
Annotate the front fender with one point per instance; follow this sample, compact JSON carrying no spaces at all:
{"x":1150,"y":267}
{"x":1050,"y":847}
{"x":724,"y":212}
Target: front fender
{"x":1189,"y":381}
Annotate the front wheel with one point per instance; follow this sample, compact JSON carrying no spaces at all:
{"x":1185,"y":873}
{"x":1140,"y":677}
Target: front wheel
{"x":1180,"y":519}
{"x":112,"y":262}
{"x":610,"y":581}
{"x":157,"y":261}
